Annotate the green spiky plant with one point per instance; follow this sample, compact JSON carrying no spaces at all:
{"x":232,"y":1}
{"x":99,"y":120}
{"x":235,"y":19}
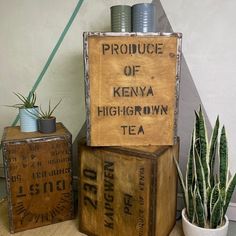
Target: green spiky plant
{"x":46,"y":114}
{"x":207,"y":190}
{"x":26,"y":102}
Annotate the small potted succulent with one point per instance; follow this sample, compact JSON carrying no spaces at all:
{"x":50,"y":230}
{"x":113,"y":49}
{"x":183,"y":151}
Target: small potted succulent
{"x":207,"y":187}
{"x":46,"y":120}
{"x":27,"y":109}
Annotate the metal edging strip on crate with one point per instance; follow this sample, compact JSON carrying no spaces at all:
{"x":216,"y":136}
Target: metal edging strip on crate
{"x":132,"y":34}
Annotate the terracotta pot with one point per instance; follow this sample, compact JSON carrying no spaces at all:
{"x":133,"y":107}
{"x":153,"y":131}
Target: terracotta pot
{"x":47,"y":125}
{"x":193,"y":230}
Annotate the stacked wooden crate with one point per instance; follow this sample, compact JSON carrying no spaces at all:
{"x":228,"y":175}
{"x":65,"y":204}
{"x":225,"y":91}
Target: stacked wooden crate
{"x":128,"y":187}
{"x":38,"y":171}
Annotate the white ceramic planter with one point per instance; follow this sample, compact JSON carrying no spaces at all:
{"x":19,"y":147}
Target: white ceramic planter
{"x":193,"y":230}
{"x":28,"y":122}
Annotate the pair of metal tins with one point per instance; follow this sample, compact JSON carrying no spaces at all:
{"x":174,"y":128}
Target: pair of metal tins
{"x":138,"y":18}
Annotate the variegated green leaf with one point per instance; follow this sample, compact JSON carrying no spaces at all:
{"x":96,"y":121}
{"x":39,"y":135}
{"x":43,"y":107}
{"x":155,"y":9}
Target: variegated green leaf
{"x":182,"y":184}
{"x":216,"y":213}
{"x":229,"y":192}
{"x":197,"y":138}
{"x":191,"y":205}
{"x":223,"y":172}
{"x":200,"y":180}
{"x":213,"y":150}
{"x":214,"y":197}
{"x":190,"y":167}
{"x":203,"y":146}
{"x":209,"y":191}
{"x":199,"y":210}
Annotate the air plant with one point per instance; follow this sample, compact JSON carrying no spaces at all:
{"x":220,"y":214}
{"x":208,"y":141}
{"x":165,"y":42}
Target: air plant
{"x":207,"y":189}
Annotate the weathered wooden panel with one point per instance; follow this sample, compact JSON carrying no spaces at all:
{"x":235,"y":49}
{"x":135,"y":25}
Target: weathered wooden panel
{"x":132,"y":88}
{"x":123,"y":191}
{"x":166,"y":193}
{"x":39,"y":177}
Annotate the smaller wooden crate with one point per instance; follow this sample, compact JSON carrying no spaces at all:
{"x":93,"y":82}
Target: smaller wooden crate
{"x":127,"y":191}
{"x":39,"y":177}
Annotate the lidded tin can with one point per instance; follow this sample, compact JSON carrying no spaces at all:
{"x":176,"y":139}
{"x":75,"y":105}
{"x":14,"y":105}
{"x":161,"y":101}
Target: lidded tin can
{"x":144,"y":17}
{"x":121,"y":18}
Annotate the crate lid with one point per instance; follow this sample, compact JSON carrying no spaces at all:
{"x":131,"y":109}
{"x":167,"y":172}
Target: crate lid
{"x":140,"y":151}
{"x":13,"y":133}
{"x":151,"y":151}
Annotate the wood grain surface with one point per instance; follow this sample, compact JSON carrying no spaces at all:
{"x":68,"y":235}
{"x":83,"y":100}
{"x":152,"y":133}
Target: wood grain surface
{"x":67,"y":228}
{"x":39,"y":178}
{"x":126,"y":194}
{"x":131,"y":97}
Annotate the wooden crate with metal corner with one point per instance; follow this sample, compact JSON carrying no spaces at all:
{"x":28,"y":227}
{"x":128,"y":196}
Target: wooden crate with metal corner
{"x":132,"y":88}
{"x":127,"y":190}
{"x":38,"y":170}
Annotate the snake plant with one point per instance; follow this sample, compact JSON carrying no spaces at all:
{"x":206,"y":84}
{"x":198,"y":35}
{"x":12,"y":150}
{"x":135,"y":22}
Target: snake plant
{"x":207,"y":187}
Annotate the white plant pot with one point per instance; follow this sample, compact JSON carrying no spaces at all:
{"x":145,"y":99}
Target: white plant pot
{"x":28,"y":122}
{"x":193,"y":230}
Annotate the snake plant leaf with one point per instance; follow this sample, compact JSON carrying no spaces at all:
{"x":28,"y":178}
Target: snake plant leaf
{"x":190,"y":164}
{"x":216,"y":213}
{"x":213,"y":150}
{"x":223,"y":169}
{"x":191,"y":199}
{"x":203,"y":146}
{"x":214,"y":196}
{"x":199,"y":210}
{"x":200,"y":179}
{"x":197,"y":138}
{"x":208,"y":191}
{"x":182,"y":184}
{"x":229,"y":192}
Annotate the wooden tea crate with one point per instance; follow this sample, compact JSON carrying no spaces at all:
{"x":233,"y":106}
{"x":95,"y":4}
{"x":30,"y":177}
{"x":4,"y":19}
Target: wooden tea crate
{"x":127,"y":191}
{"x":39,"y":177}
{"x":132,"y":88}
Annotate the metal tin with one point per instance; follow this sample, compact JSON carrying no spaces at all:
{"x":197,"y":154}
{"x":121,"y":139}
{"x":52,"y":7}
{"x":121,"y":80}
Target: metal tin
{"x":28,"y":122}
{"x":144,"y":17}
{"x":121,"y":18}
{"x":47,"y":126}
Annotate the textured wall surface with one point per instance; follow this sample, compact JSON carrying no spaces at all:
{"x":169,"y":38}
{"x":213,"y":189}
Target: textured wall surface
{"x":208,"y":65}
{"x":209,"y":51}
{"x":29,"y":31}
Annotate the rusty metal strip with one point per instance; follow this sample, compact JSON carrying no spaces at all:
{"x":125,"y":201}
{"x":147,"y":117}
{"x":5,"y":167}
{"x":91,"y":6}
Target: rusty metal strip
{"x":87,"y":87}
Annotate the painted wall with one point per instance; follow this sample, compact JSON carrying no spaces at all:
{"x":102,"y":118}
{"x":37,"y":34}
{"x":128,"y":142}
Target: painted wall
{"x":208,"y":66}
{"x":29,"y":31}
{"x":209,"y":50}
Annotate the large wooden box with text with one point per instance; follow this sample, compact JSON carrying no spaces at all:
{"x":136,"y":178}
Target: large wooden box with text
{"x":38,"y":172}
{"x":127,"y":191}
{"x":132,"y":88}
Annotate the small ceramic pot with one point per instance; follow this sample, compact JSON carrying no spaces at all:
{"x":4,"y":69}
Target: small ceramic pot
{"x":193,"y":230}
{"x":28,"y":121}
{"x":47,"y":125}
